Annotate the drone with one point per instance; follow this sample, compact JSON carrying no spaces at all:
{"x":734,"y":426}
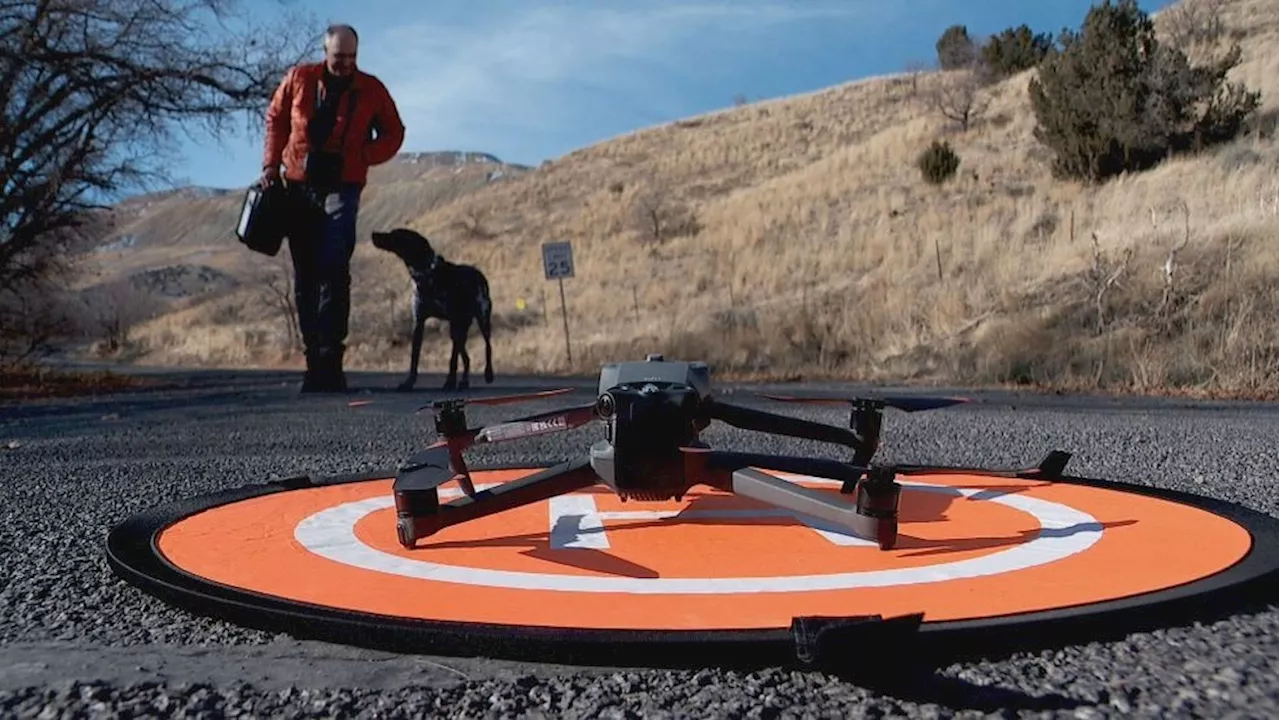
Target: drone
{"x":654,"y":412}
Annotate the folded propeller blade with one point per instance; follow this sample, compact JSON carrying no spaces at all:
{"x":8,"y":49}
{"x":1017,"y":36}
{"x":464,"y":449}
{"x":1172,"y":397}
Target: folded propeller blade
{"x":495,"y":399}
{"x":522,"y":397}
{"x":905,"y":403}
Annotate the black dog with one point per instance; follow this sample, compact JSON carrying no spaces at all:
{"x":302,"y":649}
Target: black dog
{"x":457,"y":294}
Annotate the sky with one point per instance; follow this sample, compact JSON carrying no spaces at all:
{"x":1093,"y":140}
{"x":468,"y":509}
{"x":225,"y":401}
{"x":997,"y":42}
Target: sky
{"x":531,"y":80}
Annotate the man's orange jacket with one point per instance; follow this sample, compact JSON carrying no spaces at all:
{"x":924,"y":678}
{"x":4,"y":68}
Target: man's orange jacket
{"x":293,"y":105}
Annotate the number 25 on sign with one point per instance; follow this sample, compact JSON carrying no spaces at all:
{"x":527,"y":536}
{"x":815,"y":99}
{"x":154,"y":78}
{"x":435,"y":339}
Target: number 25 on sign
{"x":557,"y":264}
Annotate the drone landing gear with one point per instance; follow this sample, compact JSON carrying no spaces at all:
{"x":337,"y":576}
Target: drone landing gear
{"x":872,"y":516}
{"x":419,"y":512}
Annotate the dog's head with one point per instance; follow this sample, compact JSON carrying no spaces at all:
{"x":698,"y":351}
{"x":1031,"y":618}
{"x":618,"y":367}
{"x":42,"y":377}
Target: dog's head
{"x":410,"y":246}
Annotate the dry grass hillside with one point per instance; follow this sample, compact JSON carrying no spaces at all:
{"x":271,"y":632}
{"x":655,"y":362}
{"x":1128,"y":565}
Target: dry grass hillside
{"x":168,"y":252}
{"x":796,"y":238}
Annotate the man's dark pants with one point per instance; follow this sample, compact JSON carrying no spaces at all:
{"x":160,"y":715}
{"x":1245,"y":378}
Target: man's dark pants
{"x":321,"y":246}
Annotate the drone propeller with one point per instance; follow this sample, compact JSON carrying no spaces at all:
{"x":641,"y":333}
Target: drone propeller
{"x":905,"y":403}
{"x":493,"y":399}
{"x":1050,"y":466}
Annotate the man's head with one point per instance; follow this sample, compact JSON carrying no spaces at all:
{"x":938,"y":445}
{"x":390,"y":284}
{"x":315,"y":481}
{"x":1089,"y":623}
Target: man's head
{"x":411,"y":247}
{"x":340,"y":43}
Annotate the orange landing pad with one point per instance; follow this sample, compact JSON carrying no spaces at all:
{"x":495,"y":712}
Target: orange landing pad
{"x":970,"y":547}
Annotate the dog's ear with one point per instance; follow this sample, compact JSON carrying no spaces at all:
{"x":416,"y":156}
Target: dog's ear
{"x":423,"y":240}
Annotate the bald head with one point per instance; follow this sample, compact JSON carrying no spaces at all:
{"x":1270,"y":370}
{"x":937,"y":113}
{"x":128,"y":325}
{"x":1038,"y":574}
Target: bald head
{"x":340,"y":43}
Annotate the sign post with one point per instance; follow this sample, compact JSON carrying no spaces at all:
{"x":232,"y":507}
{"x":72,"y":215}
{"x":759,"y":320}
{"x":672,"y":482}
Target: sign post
{"x":557,"y":264}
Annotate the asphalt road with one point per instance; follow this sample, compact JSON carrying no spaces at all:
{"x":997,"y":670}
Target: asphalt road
{"x":76,"y":640}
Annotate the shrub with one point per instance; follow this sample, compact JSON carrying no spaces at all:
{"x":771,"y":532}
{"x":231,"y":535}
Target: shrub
{"x":955,"y":48}
{"x":1015,"y":50}
{"x":938,"y":162}
{"x":1112,"y":99}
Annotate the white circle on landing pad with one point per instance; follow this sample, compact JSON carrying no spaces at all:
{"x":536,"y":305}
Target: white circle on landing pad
{"x":1064,"y":531}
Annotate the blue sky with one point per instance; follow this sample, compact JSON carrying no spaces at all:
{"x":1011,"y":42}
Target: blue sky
{"x":531,"y":80}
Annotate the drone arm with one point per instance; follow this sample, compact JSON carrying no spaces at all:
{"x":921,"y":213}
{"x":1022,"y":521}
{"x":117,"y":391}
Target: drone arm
{"x":421,"y":514}
{"x":543,"y":423}
{"x":764,"y":421}
{"x":874,"y":515}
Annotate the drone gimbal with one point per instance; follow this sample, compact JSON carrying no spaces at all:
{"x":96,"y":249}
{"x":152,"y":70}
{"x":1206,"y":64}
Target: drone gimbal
{"x":653,"y":412}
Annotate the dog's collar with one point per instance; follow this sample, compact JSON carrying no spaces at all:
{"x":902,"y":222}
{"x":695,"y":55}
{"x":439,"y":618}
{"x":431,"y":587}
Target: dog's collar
{"x":430,"y":269}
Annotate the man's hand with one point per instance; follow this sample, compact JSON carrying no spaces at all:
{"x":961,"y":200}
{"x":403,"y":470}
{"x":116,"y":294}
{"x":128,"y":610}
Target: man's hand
{"x":270,"y":174}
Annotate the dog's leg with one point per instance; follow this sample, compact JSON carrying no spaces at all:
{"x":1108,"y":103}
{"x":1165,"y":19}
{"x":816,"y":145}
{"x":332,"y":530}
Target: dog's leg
{"x":451,"y":382}
{"x":415,"y":349}
{"x":484,"y":318}
{"x":459,"y":330}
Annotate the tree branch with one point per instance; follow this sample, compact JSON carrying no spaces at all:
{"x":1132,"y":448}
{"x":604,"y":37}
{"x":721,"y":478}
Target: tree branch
{"x":93,"y":92}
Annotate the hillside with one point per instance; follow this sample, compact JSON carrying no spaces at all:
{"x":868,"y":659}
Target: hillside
{"x":162,"y":252}
{"x":804,"y":242}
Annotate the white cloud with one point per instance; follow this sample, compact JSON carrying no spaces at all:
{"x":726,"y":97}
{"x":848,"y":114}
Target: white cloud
{"x":527,"y":69}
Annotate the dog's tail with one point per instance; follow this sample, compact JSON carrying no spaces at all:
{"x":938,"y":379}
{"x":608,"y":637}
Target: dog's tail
{"x":484,"y":318}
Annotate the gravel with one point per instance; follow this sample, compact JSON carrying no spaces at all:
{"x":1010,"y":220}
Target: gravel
{"x":76,"y":641}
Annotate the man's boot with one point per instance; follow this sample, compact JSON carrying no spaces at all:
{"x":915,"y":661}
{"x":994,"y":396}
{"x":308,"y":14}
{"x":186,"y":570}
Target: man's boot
{"x":313,"y":379}
{"x":336,"y":376}
{"x":324,"y":374}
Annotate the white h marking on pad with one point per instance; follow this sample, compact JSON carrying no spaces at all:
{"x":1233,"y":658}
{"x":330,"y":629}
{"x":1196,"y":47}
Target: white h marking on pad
{"x":576,"y":523}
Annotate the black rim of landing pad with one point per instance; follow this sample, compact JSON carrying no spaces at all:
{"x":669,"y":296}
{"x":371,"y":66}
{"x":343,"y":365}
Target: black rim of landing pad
{"x":133,"y":555}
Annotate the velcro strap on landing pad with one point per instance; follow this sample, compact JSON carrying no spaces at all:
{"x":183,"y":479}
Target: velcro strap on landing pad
{"x":854,"y":639}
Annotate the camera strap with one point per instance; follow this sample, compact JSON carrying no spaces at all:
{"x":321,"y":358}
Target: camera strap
{"x":329,"y":123}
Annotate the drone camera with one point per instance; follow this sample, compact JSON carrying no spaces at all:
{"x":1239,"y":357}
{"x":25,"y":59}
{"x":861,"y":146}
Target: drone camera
{"x":647,"y":424}
{"x":605,"y":406}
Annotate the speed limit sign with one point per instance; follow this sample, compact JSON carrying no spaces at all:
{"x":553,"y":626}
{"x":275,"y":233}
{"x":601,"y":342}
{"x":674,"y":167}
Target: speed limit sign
{"x":557,"y":260}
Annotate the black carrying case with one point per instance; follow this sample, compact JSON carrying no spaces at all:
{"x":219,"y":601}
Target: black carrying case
{"x":262,"y":218}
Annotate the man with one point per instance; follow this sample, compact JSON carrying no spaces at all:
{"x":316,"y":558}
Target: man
{"x":321,"y":126}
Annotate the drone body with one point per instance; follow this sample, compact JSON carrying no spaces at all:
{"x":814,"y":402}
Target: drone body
{"x":650,"y":412}
{"x":653,"y":412}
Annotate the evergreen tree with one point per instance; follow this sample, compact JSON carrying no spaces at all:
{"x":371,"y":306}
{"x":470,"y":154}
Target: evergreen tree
{"x":955,"y":48}
{"x":1015,"y":50}
{"x":1112,"y":99}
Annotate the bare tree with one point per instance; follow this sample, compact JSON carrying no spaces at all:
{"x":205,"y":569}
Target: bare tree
{"x":31,"y":323}
{"x":276,"y":291}
{"x":1193,"y":24}
{"x":1102,"y":275}
{"x":916,"y":68}
{"x":659,"y":215}
{"x":1170,"y":267}
{"x":93,"y":94}
{"x":958,"y":94}
{"x":111,"y":311}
